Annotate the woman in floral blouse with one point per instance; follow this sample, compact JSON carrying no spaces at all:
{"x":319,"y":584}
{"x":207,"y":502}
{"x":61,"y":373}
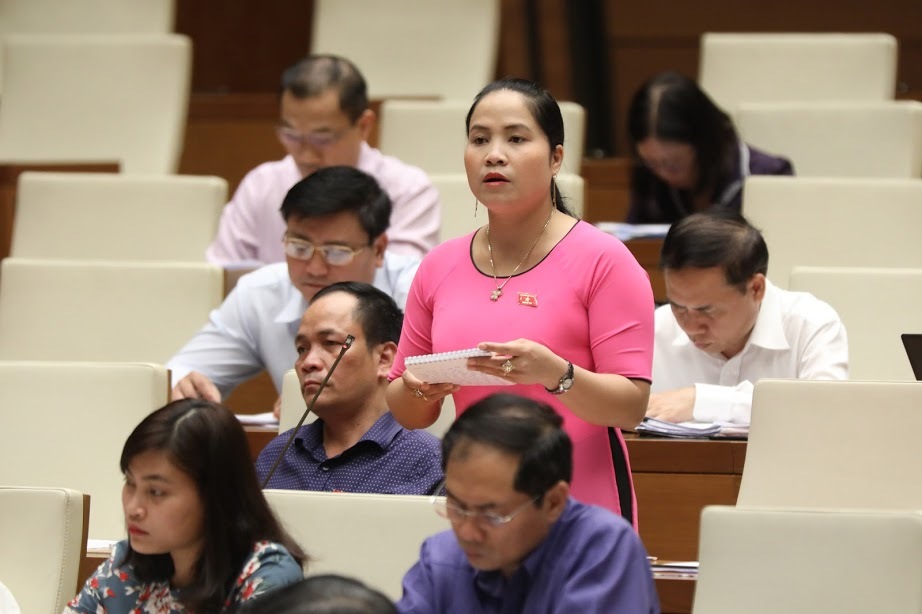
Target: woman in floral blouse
{"x":201,"y":537}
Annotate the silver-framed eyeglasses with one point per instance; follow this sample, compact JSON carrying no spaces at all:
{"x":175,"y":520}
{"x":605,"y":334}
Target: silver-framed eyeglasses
{"x":455,"y":513}
{"x":317,"y":140}
{"x":335,"y":255}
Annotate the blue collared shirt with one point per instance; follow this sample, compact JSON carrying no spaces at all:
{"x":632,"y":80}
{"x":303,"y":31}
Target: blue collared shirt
{"x":388,"y":459}
{"x":591,"y":561}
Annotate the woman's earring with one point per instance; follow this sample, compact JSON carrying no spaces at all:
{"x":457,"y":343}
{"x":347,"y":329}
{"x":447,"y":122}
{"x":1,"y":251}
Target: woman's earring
{"x":554,"y":191}
{"x":476,"y":204}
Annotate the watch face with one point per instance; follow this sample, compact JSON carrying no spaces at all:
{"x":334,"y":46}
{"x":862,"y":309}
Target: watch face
{"x":565,"y":384}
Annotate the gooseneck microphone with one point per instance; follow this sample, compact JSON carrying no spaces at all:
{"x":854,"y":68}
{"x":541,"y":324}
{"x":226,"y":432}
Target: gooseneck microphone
{"x":346,"y":345}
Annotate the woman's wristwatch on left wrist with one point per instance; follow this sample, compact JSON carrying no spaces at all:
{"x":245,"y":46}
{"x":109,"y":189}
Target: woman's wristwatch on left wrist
{"x":566,"y":381}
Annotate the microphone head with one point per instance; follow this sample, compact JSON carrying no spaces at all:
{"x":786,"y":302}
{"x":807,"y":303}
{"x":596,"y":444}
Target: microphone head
{"x":348,"y":342}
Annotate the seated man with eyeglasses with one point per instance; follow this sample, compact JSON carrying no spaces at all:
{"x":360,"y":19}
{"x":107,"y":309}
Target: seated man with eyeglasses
{"x":324,"y":121}
{"x":518,"y":542}
{"x":335,"y":222}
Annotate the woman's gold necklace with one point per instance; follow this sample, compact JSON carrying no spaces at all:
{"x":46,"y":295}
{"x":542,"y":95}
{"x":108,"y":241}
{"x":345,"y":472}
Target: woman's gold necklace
{"x":498,"y":290}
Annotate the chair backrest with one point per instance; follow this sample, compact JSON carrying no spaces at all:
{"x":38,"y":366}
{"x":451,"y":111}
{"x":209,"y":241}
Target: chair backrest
{"x":87,"y":16}
{"x":112,"y":216}
{"x":375,"y":538}
{"x":819,"y":222}
{"x":872,"y":139}
{"x":66,"y":423}
{"x":44,"y":538}
{"x":426,"y":133}
{"x":760,"y":67}
{"x":107,"y":311}
{"x":458,"y":203}
{"x":805,"y":561}
{"x":293,"y":406}
{"x":813,"y":444}
{"x":106,"y":97}
{"x":574,"y":141}
{"x":876,"y":306}
{"x":407,"y":128}
{"x":392,"y":44}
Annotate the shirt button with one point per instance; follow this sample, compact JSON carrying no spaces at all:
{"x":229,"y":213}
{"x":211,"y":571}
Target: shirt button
{"x":324,"y":468}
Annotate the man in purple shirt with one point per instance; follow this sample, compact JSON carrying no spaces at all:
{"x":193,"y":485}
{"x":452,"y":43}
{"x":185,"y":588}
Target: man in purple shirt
{"x":355,"y":445}
{"x":518,"y":542}
{"x":324,"y":121}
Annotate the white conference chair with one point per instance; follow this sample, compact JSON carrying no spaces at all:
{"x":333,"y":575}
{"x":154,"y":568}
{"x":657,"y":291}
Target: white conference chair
{"x":804,"y":561}
{"x":375,"y":538}
{"x":96,"y":98}
{"x":107,"y":311}
{"x":838,"y":139}
{"x":458,"y":202}
{"x":43,"y":532}
{"x":775,"y":67}
{"x":293,"y":406}
{"x":113,"y":216}
{"x":66,"y":423}
{"x":835,"y":222}
{"x":426,"y":133}
{"x":430,"y":134}
{"x":876,"y":306}
{"x":574,"y":137}
{"x":833,"y":444}
{"x":392,"y":44}
{"x":85,"y":17}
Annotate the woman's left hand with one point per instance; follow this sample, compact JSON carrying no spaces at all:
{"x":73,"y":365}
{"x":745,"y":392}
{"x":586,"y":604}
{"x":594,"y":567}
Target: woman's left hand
{"x":521,"y":361}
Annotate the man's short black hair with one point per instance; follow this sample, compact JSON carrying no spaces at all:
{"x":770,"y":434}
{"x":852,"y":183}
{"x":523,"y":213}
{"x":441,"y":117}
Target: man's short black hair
{"x":519,"y":426}
{"x":334,"y":189}
{"x":719,"y":238}
{"x":379,"y":315}
{"x":318,"y":73}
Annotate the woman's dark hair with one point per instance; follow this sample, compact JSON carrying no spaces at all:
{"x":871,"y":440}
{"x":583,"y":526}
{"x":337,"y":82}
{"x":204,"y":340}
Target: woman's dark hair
{"x":335,"y":189}
{"x":318,"y":73}
{"x":718,"y":238}
{"x":545,"y":111}
{"x":520,"y":426}
{"x":206,"y":442}
{"x":323,"y":594}
{"x":671,"y":107}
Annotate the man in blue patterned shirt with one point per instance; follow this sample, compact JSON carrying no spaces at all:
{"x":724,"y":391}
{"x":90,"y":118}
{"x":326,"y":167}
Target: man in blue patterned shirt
{"x":355,"y":445}
{"x":518,"y":541}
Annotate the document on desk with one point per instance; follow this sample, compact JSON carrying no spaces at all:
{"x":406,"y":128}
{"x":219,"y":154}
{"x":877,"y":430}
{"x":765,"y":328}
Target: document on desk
{"x":625,"y":232}
{"x":263,"y":419}
{"x":681,"y":567}
{"x":692,"y":430}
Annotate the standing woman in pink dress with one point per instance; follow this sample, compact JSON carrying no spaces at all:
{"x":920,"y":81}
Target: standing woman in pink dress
{"x":565,"y":309}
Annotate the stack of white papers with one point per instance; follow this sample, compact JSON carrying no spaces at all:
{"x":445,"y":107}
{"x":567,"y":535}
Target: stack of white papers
{"x":263,"y":419}
{"x":626,"y":232}
{"x":681,"y":567}
{"x":693,"y":430}
{"x":652,"y":426}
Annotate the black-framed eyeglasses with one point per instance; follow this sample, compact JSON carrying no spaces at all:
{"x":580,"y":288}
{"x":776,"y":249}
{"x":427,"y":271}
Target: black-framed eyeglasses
{"x":455,"y":513}
{"x":334,"y":255}
{"x":318,"y":140}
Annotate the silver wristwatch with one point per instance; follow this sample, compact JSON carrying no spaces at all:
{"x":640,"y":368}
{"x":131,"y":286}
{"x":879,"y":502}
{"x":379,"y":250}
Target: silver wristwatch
{"x":565,"y":382}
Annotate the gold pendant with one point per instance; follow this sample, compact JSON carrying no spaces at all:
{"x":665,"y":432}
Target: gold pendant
{"x":497,"y":292}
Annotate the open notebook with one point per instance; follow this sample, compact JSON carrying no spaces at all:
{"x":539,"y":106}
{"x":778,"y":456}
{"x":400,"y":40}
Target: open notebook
{"x":451,"y":367}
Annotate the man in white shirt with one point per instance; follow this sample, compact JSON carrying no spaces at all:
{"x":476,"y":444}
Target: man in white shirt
{"x":324,"y":120}
{"x":727,"y":326}
{"x":335,"y":221}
